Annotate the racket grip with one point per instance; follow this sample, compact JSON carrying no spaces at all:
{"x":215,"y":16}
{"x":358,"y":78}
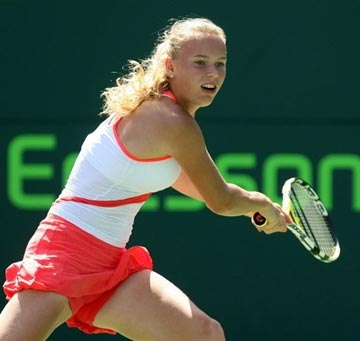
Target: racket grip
{"x":258,"y":219}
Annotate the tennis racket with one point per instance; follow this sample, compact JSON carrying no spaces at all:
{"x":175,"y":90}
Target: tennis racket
{"x":311,"y":224}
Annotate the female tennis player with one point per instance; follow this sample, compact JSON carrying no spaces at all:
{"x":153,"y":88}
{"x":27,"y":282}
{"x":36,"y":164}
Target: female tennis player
{"x":76,"y":267}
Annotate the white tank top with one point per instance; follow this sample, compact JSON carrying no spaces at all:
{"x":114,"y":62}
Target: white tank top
{"x":107,"y":185}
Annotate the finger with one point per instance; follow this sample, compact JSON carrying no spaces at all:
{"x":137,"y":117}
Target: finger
{"x":270,"y":231}
{"x":282,"y":227}
{"x":277,"y":206}
{"x":286,"y":216}
{"x":288,"y":219}
{"x":258,"y":228}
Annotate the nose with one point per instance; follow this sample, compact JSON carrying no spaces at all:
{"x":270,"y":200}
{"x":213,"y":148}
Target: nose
{"x":212,"y":72}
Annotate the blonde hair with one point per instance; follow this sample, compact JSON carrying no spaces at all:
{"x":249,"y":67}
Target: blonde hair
{"x":147,"y":78}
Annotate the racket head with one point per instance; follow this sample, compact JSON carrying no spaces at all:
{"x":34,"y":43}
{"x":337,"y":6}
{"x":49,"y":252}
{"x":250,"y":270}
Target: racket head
{"x":312,"y":225}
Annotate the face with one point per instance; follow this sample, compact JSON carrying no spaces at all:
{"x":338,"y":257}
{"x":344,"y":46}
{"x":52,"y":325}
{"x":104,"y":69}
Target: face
{"x":198,"y":71}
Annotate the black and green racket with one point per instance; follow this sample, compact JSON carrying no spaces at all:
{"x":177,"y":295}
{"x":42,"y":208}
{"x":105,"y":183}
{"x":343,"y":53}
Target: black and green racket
{"x":311,"y":223}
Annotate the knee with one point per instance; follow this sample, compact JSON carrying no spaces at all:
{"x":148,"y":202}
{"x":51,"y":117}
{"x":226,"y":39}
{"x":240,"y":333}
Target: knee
{"x":211,"y":330}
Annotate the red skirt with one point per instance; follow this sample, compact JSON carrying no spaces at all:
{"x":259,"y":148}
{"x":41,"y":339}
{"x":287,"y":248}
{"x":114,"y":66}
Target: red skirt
{"x":62,"y":258}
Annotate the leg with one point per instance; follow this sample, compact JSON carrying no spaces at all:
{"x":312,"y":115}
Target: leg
{"x":33,"y":315}
{"x":148,"y":307}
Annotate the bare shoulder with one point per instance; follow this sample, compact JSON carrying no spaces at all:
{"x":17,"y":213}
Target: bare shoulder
{"x":175,"y":132}
{"x":168,"y":114}
{"x":172,"y":128}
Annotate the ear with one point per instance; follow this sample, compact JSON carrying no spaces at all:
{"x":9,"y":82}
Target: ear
{"x":169,"y":66}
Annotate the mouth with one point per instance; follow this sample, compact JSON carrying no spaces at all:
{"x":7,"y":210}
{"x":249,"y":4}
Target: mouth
{"x":209,"y":87}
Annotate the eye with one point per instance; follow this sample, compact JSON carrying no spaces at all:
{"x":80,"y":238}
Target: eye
{"x":200,"y":62}
{"x":220,"y":64}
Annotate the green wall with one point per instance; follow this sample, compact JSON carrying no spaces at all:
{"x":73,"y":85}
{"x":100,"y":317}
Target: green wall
{"x":289,"y":107}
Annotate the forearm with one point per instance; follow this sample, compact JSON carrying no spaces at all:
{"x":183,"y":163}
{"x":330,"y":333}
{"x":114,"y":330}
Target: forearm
{"x":238,"y":201}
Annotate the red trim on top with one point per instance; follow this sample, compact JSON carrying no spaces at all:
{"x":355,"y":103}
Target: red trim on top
{"x":107,"y":203}
{"x":128,"y":154}
{"x":169,"y":94}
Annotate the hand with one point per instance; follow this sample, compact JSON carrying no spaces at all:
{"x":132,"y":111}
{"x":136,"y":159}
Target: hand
{"x":276,"y":220}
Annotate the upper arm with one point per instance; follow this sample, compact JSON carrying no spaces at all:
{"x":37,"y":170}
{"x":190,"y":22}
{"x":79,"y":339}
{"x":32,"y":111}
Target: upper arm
{"x":184,"y":185}
{"x":200,"y":177}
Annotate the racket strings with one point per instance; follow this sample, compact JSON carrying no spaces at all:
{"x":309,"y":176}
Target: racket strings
{"x":309,"y":217}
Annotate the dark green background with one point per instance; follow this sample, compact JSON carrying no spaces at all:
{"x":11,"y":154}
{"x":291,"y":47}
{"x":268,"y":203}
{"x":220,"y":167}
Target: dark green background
{"x":292,"y":87}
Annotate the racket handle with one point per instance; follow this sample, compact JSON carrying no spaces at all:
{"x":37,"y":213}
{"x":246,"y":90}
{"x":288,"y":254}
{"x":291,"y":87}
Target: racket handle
{"x":259,"y":220}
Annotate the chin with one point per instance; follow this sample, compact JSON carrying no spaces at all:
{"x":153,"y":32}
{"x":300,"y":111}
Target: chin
{"x":207,"y":102}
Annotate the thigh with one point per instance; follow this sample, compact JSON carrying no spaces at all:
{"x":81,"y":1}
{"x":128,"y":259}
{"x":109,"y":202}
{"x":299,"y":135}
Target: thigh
{"x":33,"y":315}
{"x":149,"y":307}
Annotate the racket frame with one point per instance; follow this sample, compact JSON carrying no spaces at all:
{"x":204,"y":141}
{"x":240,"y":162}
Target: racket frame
{"x":296,"y":230}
